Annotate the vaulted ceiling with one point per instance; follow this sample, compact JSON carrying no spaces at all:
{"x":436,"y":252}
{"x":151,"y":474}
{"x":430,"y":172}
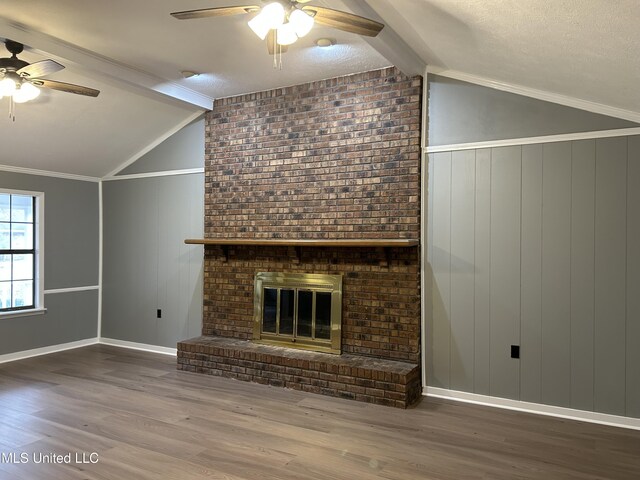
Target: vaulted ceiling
{"x":133,"y":51}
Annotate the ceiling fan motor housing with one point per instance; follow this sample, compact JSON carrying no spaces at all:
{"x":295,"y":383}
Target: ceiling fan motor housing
{"x":14,"y":47}
{"x":11,"y":64}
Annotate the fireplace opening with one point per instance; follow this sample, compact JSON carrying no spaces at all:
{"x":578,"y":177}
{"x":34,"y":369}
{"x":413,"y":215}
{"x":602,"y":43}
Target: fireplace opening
{"x":298,"y":310}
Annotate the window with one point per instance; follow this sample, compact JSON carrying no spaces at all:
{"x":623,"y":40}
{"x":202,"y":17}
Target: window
{"x":20,"y":247}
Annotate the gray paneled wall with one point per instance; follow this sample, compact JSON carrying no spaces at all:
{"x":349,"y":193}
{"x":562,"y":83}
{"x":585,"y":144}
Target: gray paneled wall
{"x":471,"y":113}
{"x":147,"y":266}
{"x":71,"y":260}
{"x":538,"y":246}
{"x":182,"y":150}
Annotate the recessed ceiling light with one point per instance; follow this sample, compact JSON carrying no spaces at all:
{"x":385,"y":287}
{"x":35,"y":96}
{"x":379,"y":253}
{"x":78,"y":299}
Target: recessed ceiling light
{"x":189,"y":74}
{"x":325,"y":42}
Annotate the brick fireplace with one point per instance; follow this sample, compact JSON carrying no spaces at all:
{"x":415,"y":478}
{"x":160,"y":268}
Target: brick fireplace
{"x":332,"y":165}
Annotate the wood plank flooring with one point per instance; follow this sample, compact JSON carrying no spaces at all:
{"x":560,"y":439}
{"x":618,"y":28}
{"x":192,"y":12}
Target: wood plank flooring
{"x":148,"y":421}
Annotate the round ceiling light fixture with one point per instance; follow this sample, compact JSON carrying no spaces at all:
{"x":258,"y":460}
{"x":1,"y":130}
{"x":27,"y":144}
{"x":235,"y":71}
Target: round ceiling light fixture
{"x":189,"y":74}
{"x":325,"y":42}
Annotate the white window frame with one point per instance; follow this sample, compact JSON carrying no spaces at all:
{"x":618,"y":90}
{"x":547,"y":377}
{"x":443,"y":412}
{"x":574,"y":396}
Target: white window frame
{"x":39,"y":260}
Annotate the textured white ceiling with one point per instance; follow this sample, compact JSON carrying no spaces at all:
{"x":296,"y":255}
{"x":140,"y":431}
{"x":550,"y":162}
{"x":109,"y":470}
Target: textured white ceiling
{"x":232,"y":59}
{"x":587,"y":49}
{"x":68,"y":133}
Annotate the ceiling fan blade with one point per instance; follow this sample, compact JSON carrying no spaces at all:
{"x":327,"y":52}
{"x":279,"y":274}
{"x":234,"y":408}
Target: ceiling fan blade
{"x":272,"y":46}
{"x":66,"y":87}
{"x":214,"y":12}
{"x":40,"y":69}
{"x":347,"y":22}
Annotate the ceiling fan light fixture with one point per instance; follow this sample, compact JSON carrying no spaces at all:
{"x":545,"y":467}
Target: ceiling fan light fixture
{"x":270,"y":17}
{"x":7,"y":87}
{"x":259,"y":27}
{"x":26,"y":93}
{"x":301,"y":21}
{"x":286,"y":34}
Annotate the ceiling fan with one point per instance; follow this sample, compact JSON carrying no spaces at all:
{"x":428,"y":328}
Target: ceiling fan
{"x":282,"y":22}
{"x":21,"y":81}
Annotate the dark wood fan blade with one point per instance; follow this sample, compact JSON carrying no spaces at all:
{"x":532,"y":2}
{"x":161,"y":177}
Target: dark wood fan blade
{"x":347,"y":22}
{"x":274,"y":47}
{"x":66,"y":87}
{"x":40,"y":69}
{"x":214,"y":12}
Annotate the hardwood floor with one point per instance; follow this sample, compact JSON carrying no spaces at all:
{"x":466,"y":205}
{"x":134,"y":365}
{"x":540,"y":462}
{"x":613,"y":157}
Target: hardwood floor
{"x":148,"y":421}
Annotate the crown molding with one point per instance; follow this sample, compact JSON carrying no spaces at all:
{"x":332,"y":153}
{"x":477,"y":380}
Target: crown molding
{"x":47,"y":173}
{"x":565,"y":100}
{"x":105,"y":66}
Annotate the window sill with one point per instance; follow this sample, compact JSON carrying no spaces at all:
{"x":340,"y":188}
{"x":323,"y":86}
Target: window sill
{"x":23,"y":313}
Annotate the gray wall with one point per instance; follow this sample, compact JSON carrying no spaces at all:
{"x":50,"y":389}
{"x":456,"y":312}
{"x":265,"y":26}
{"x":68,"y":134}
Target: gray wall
{"x":184,"y":149}
{"x":462,"y":112}
{"x":71,"y":260}
{"x":537,"y":246}
{"x":147,"y":266}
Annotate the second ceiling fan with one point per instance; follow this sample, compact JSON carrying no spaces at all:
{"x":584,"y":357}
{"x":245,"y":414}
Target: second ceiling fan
{"x":282,"y":22}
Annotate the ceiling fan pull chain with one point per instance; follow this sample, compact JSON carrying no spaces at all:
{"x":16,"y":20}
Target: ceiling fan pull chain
{"x":12,"y":109}
{"x":275,"y":50}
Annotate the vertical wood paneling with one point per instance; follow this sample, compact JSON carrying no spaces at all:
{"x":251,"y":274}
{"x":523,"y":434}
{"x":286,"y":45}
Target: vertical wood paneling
{"x":506,"y":170}
{"x":131,"y":253}
{"x":196,"y":270}
{"x":429,"y":358}
{"x":538,"y":246}
{"x":482,"y":282}
{"x":173,"y":267}
{"x":440,"y":341}
{"x":556,"y":274}
{"x":462,"y":269}
{"x":144,"y":249}
{"x":610,"y":275}
{"x":531,"y":280}
{"x":583,"y":178}
{"x":633,"y":279}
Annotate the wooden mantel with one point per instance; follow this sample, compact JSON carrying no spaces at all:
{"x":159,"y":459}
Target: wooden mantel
{"x":382,"y":245}
{"x":277,"y":242}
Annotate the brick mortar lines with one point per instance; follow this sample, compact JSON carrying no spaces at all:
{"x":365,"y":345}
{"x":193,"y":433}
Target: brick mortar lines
{"x":380,"y":308}
{"x":281,"y":175}
{"x":394,"y":390}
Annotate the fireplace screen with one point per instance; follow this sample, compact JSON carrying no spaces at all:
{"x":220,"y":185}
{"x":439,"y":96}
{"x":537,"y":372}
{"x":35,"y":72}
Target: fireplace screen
{"x":298,"y":310}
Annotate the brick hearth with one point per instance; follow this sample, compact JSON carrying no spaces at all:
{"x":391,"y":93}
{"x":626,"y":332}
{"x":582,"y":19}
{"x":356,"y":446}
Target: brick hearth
{"x":384,"y":382}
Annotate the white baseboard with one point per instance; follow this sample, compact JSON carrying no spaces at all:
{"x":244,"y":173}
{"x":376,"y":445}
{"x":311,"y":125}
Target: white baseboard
{"x":138,"y":346}
{"x":537,"y":408}
{"x":36,"y":352}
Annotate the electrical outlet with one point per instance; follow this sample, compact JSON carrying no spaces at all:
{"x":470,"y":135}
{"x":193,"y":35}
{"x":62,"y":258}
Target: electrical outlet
{"x":159,"y":314}
{"x":515,"y":351}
